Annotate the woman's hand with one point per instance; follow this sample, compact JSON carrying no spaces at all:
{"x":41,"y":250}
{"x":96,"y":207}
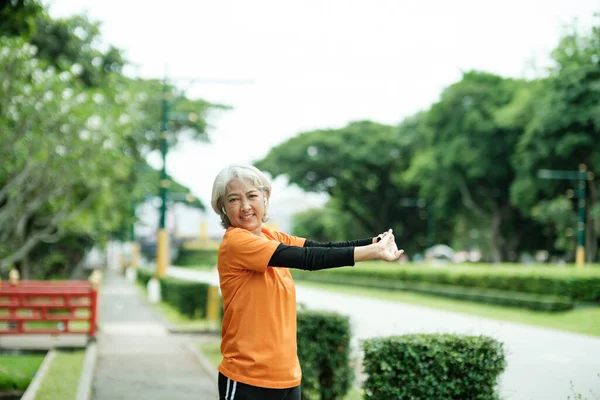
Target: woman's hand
{"x":381,"y":236}
{"x":387,"y":248}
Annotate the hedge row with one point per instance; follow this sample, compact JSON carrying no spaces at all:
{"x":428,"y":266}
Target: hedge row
{"x":407,"y":367}
{"x":199,"y":257}
{"x":433,"y":366}
{"x":189,"y":297}
{"x":531,"y":301}
{"x":577,"y":285}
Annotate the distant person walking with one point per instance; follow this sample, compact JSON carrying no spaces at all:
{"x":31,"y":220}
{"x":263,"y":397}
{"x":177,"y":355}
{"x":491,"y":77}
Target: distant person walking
{"x":260,"y":360}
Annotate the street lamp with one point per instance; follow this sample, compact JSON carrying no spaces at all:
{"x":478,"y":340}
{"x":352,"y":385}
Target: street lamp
{"x":162,"y":245}
{"x":582,"y":175}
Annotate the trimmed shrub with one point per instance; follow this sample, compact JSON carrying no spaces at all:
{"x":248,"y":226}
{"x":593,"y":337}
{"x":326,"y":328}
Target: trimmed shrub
{"x":190,"y":298}
{"x":436,"y":367}
{"x":324,"y":354}
{"x":143,"y":276}
{"x":197,"y":258}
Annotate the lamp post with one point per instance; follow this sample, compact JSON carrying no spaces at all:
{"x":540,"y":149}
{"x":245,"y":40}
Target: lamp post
{"x":581,"y":176}
{"x":162,"y":245}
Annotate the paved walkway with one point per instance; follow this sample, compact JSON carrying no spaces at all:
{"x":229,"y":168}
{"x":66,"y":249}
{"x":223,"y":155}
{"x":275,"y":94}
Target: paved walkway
{"x":137,"y":357}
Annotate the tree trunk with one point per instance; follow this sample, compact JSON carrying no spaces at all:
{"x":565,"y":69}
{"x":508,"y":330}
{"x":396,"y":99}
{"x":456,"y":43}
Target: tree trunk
{"x":592,"y":227}
{"x":24,"y":268}
{"x":496,"y":241}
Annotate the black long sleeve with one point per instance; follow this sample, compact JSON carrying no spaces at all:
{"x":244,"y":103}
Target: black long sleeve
{"x":311,"y":258}
{"x":349,"y":243}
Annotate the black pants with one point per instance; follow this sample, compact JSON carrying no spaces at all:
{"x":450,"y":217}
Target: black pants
{"x":232,"y":390}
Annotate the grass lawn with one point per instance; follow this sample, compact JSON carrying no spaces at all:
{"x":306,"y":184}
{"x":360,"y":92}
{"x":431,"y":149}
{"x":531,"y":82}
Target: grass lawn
{"x":62,"y":379}
{"x":17,"y":371}
{"x":582,"y":320}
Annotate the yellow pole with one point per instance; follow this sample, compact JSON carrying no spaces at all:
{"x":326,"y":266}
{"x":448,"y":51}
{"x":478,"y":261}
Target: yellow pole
{"x":580,"y":256}
{"x":135,"y":255}
{"x":212,"y":306}
{"x":162,"y":253}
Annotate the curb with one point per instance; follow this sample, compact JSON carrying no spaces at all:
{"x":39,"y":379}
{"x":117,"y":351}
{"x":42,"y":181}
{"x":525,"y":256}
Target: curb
{"x":35,"y":384}
{"x":84,"y":389}
{"x":206,"y":365}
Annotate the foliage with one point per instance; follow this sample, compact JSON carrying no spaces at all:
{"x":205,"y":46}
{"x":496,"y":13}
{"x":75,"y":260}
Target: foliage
{"x":465,"y":161}
{"x":360,"y":167}
{"x":17,"y":17}
{"x":433,"y":367}
{"x":562,"y":134}
{"x":189,"y":298}
{"x":73,"y":44}
{"x":74,"y":133}
{"x":201,"y":257}
{"x":324,"y":354}
{"x":326,"y":224}
{"x":17,"y":371}
{"x":56,"y":169}
{"x":471,"y":160}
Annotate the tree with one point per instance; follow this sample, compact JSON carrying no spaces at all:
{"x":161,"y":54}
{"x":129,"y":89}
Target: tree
{"x":74,"y":131}
{"x":465,"y":160}
{"x":61,"y":147}
{"x":361,"y":167}
{"x":17,"y":17}
{"x":562,"y":134}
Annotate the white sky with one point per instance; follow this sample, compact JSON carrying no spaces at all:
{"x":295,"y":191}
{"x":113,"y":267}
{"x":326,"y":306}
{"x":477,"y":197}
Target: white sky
{"x":318,"y":64}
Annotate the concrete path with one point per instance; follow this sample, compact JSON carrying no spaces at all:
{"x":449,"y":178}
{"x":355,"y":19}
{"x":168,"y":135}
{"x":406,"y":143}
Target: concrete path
{"x":543,"y":364}
{"x":137,"y":357}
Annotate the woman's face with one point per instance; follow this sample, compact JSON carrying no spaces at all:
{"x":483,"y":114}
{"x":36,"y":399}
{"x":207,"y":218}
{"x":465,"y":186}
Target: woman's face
{"x":245,"y":205}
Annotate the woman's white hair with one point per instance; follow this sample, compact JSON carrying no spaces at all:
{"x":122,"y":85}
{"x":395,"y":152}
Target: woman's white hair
{"x":248,"y":173}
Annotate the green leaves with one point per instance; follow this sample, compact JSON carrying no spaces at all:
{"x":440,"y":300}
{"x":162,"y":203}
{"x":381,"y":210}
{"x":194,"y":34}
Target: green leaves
{"x":432,"y":366}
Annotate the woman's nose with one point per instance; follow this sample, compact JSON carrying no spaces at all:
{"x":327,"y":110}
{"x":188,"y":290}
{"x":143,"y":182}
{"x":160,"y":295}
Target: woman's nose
{"x":245,"y":204}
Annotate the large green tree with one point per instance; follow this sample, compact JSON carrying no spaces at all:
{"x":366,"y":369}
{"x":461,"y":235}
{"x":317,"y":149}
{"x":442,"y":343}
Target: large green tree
{"x":62,"y":150}
{"x":563,"y":132}
{"x":361,"y":167}
{"x":464,"y":163}
{"x":75,"y":133}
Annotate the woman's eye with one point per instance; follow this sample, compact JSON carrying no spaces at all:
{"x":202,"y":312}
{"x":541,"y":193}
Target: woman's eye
{"x":233,"y":200}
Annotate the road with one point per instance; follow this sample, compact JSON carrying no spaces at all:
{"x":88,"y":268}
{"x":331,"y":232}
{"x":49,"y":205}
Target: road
{"x":543,"y":364}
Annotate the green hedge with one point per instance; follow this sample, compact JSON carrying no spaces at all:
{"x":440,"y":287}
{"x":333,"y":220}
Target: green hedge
{"x":580,"y":285}
{"x":435,"y":367}
{"x":201,"y":257}
{"x":531,"y":301}
{"x":324,"y":354}
{"x":190,"y":298}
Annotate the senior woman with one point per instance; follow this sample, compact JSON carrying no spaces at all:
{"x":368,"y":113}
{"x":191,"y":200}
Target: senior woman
{"x":258,"y":345}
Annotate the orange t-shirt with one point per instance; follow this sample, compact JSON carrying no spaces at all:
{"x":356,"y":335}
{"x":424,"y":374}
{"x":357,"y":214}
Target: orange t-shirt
{"x":259,"y":321}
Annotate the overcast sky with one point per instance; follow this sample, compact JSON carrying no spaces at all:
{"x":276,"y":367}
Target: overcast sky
{"x":318,"y":64}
